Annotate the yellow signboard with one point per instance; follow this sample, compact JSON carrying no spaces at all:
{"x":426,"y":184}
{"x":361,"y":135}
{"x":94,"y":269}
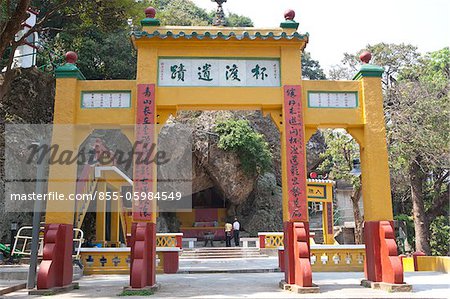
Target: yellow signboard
{"x":319,"y":190}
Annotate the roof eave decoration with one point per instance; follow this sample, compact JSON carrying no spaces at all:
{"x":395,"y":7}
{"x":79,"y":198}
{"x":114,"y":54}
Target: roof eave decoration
{"x":69,"y":69}
{"x":150,"y":19}
{"x":289,"y":24}
{"x":367,"y":69}
{"x":221,"y":35}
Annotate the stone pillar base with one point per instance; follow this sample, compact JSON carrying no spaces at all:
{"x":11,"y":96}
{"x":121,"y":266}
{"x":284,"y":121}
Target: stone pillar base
{"x":388,"y":287}
{"x":143,"y":255}
{"x":55,"y":290}
{"x":56,"y":270}
{"x":298,"y":289}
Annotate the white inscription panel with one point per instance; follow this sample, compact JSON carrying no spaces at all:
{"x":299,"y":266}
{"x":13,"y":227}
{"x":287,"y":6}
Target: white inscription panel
{"x":219,"y":72}
{"x":106,"y":100}
{"x":332,"y":99}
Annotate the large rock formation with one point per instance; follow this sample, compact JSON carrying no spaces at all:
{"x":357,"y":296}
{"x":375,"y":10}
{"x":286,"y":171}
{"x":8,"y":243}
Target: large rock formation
{"x":28,"y":99}
{"x":263,"y":209}
{"x":221,"y":168}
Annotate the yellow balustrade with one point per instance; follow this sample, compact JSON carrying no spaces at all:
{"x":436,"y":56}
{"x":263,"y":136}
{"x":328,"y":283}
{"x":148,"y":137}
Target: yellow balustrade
{"x":275,"y":239}
{"x":105,"y":260}
{"x":337,"y":258}
{"x":115,"y":260}
{"x":271,"y":239}
{"x":168,"y":239}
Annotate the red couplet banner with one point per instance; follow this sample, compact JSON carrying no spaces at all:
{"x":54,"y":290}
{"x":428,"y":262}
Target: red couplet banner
{"x":295,"y":153}
{"x":330,"y":222}
{"x":145,"y":137}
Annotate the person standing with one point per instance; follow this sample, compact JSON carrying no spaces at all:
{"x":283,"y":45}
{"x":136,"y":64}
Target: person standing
{"x":236,"y":228}
{"x":228,"y":228}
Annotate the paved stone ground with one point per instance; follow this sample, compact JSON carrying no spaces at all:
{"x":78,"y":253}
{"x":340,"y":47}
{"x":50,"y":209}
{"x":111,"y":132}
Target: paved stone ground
{"x":256,"y":285}
{"x":268,"y":264}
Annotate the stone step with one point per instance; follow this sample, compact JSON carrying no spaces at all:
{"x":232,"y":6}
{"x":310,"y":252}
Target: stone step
{"x":221,"y":253}
{"x":222,"y":256}
{"x":224,"y":249}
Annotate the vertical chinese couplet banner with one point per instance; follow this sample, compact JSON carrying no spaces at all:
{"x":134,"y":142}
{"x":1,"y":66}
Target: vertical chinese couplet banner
{"x":145,"y":139}
{"x":330,"y":222}
{"x":295,"y":153}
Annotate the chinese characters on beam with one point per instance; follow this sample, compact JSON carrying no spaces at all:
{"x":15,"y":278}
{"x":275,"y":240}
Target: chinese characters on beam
{"x":219,"y":72}
{"x":145,"y":138}
{"x":295,"y":153}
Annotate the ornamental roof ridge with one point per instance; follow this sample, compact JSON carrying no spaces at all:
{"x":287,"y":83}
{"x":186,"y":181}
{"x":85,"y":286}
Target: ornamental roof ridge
{"x":225,"y":33}
{"x":321,"y":181}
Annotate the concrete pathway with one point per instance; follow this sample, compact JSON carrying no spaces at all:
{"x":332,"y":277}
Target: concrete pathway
{"x":256,"y":285}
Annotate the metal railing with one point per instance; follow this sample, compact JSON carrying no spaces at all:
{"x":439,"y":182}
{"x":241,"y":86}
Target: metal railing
{"x":22,"y":241}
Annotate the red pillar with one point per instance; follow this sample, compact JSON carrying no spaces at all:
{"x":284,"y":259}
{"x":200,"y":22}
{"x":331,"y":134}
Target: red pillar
{"x":295,"y":206}
{"x":143,"y":235}
{"x":262,"y":241}
{"x":56,"y":268}
{"x":281,"y":262}
{"x":143,"y":255}
{"x":382,"y":261}
{"x":179,"y":241}
{"x":415,"y":255}
{"x":171,"y":262}
{"x":296,"y":247}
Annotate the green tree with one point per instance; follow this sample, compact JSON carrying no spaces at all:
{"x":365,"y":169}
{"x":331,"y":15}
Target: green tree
{"x":235,"y":20}
{"x":416,"y":91}
{"x":418,"y":127}
{"x":186,"y":13}
{"x":311,"y":68}
{"x":180,"y":13}
{"x":99,"y":32}
{"x":393,"y":57}
{"x":253,"y":151}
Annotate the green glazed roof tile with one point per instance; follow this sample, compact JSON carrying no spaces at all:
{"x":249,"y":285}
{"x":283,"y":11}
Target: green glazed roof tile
{"x":219,"y":35}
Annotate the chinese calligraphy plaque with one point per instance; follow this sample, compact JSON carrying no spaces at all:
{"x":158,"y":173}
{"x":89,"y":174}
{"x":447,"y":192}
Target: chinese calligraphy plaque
{"x":296,"y":154}
{"x":111,"y":99}
{"x":332,"y":99}
{"x":219,"y":72}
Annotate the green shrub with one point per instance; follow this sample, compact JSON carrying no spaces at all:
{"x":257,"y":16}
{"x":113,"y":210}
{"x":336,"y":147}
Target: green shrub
{"x":253,"y":151}
{"x":440,"y":236}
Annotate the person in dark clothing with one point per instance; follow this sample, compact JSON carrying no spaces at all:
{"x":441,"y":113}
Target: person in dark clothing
{"x":236,"y":228}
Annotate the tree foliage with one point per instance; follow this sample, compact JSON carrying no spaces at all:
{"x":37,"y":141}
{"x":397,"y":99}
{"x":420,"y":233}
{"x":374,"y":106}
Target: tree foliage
{"x":393,"y":57}
{"x":311,"y":68}
{"x":253,"y":151}
{"x":186,"y":13}
{"x":339,"y":155}
{"x":417,"y":114}
{"x":416,"y":96}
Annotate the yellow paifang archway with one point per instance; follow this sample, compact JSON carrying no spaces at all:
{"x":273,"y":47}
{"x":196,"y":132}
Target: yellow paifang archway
{"x":197,"y":68}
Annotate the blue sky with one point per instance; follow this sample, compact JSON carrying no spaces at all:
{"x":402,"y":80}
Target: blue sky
{"x":342,"y":26}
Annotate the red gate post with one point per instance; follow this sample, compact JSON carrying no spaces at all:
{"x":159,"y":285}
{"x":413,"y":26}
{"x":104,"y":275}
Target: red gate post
{"x":56,"y":270}
{"x":143,"y":236}
{"x":383,"y":266}
{"x":298,"y":273}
